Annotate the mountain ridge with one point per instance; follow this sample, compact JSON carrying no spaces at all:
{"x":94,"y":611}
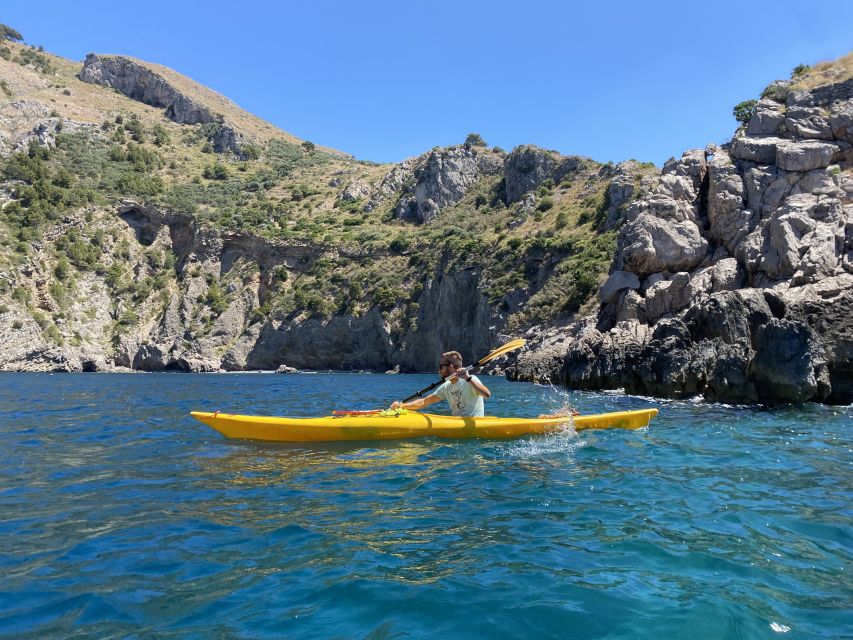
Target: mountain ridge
{"x":132,"y":241}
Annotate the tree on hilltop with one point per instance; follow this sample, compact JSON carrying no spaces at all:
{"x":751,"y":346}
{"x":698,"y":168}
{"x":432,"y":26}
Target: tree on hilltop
{"x":475,"y":140}
{"x":8,"y":33}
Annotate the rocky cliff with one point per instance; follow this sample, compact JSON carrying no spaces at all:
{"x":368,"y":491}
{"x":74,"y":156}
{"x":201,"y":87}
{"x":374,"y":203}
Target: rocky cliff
{"x":141,"y":83}
{"x":185,"y":235}
{"x":733,"y":275}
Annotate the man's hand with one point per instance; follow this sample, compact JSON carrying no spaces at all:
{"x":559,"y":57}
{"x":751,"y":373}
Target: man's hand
{"x":463,"y":374}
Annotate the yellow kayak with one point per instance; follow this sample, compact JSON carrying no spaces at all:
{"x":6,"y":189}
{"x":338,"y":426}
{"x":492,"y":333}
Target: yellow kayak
{"x":390,"y":425}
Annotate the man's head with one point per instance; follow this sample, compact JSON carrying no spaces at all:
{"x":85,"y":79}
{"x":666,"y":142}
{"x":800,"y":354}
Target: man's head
{"x":449,"y":363}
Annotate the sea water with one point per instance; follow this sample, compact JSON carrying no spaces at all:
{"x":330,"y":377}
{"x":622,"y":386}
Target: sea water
{"x":122,"y":517}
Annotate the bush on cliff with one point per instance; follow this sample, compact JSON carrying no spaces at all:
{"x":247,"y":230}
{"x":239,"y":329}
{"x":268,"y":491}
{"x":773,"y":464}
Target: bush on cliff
{"x":743,"y":111}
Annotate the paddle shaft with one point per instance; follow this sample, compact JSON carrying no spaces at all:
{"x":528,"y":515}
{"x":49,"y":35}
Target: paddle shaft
{"x":436,"y":384}
{"x":502,"y":350}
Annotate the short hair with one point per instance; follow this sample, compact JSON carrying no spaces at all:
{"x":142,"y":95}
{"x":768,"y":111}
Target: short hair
{"x":454,"y":357}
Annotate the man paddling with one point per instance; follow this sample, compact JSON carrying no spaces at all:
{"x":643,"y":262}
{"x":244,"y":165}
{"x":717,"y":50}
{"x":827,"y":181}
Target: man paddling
{"x":463,"y":391}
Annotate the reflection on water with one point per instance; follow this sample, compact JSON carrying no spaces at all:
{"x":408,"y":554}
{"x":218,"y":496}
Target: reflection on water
{"x":123,"y":517}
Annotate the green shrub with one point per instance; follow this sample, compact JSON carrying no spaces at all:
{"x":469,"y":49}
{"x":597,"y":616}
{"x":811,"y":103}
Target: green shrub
{"x":20,"y":295}
{"x":39,"y":62}
{"x":800,"y":70}
{"x":62,"y":268}
{"x":134,"y":127}
{"x":385,"y":297}
{"x":143,"y":160}
{"x":217,"y":171}
{"x":250,"y":151}
{"x":161,"y":136}
{"x":399,"y":244}
{"x":114,"y":275}
{"x":317,"y":305}
{"x":475,"y":140}
{"x":135,"y":184}
{"x":63,"y":179}
{"x":53,"y":334}
{"x":58,"y":292}
{"x":216,"y":299}
{"x":743,"y":111}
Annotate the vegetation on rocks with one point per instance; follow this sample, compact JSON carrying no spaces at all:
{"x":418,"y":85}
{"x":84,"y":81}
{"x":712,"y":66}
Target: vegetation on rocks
{"x":75,"y":254}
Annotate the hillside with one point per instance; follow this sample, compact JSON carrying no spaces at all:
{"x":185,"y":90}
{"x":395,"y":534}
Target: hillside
{"x":733,"y":275}
{"x":150,"y":224}
{"x":136,"y":238}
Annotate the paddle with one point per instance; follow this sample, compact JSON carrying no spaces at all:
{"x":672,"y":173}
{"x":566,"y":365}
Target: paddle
{"x":502,"y":350}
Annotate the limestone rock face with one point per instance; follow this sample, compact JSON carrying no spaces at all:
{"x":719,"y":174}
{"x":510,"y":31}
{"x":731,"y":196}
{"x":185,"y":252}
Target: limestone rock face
{"x":659,"y":236}
{"x":805,"y":156}
{"x":437,"y":180}
{"x":729,"y":221}
{"x":144,"y":85}
{"x":730,"y":347}
{"x":743,"y":255}
{"x":528,"y":166}
{"x":767,"y":119}
{"x":618,"y":282}
{"x":355,"y":190}
{"x":620,"y":192}
{"x":453,"y":314}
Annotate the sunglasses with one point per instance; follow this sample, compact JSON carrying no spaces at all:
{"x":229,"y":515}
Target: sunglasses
{"x":443,"y":364}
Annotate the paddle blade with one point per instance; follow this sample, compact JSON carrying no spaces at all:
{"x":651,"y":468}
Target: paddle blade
{"x":504,"y":349}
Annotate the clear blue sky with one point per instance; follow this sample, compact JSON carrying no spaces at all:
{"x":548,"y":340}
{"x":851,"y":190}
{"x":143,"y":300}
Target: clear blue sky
{"x":387,"y":80}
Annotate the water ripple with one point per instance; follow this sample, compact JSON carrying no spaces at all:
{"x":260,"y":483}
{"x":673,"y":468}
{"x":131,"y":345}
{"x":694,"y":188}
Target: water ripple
{"x":122,"y":517}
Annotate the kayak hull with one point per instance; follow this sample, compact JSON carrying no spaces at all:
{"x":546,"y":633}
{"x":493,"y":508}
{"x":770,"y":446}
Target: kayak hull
{"x":410,"y":424}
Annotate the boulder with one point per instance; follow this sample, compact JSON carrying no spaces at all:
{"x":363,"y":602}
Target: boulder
{"x":616,"y":284}
{"x":354,"y":191}
{"x":650,"y":244}
{"x":767,"y":119}
{"x":285,"y":369}
{"x":841,"y":122}
{"x":788,"y":365}
{"x":808,"y":122}
{"x":758,"y":150}
{"x":620,"y":192}
{"x":805,"y":156}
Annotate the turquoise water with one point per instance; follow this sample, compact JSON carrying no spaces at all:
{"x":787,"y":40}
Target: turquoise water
{"x":122,"y":517}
